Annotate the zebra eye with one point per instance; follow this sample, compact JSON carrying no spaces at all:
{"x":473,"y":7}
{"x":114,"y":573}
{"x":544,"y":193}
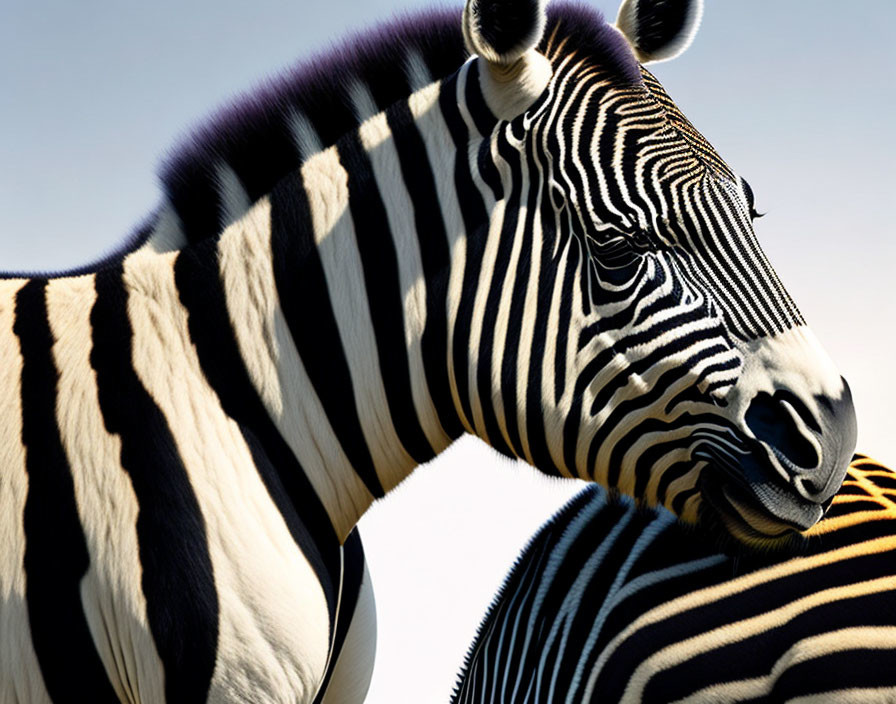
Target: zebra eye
{"x":751,"y":201}
{"x":642,"y":241}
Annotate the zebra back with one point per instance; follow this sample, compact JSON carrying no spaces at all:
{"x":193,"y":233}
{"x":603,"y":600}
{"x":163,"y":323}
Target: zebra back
{"x":615,"y":603}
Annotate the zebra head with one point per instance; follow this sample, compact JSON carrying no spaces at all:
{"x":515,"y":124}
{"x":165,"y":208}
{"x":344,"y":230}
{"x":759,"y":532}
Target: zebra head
{"x":668,"y":360}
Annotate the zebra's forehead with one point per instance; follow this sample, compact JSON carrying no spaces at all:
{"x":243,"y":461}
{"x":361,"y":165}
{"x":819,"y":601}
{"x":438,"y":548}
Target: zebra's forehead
{"x":704,"y":151}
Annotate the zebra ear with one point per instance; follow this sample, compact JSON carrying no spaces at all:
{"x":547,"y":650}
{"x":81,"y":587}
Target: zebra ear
{"x":502,"y":31}
{"x":659,"y":30}
{"x":504,"y":34}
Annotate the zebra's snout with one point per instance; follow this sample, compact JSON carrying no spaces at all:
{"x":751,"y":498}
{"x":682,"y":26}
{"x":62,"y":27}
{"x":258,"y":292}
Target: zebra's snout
{"x":809,"y":448}
{"x":797,"y":423}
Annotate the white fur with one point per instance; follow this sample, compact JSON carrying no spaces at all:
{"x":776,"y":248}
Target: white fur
{"x":437,"y":140}
{"x":354,"y":667}
{"x":334,"y":232}
{"x":111,"y":591}
{"x":167,"y":233}
{"x":362,"y":100}
{"x":509,"y":92}
{"x":416,"y":70}
{"x":273,"y":625}
{"x":20,"y":679}
{"x":376,"y":138}
{"x":511,"y":81}
{"x":234,"y":199}
{"x":305,"y":137}
{"x":277,"y":371}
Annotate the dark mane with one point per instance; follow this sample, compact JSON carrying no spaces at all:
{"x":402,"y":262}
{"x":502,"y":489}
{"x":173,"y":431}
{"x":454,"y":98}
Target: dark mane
{"x":587,"y":34}
{"x":253,"y":133}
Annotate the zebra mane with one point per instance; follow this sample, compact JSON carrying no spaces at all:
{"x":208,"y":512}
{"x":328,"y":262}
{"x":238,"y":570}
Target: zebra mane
{"x":258,"y":135}
{"x":255,"y":135}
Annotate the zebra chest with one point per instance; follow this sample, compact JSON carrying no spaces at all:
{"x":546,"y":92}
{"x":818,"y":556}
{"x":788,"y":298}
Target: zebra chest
{"x":143,"y":555}
{"x":195,"y":591}
{"x":234,"y":607}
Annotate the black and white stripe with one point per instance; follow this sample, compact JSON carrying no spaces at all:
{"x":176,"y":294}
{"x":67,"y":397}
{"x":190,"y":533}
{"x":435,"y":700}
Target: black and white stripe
{"x":541,"y":252}
{"x":612,"y":603}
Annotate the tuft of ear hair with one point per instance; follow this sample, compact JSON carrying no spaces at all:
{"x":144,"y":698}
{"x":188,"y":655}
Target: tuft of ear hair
{"x":659,"y":30}
{"x":502,"y":31}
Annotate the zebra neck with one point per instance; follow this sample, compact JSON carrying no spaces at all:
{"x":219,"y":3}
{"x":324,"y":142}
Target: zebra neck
{"x":336,"y":287}
{"x":324,"y":318}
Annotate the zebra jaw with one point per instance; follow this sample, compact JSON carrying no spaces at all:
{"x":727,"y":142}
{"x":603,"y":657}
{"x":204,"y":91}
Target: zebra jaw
{"x":748,"y":525}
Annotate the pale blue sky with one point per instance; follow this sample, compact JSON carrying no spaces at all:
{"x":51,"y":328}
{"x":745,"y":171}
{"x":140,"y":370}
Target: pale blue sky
{"x":798,"y":96}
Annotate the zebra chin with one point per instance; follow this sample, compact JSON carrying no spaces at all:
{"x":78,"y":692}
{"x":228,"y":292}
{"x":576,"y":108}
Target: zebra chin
{"x":796,"y":429}
{"x":747,"y":520}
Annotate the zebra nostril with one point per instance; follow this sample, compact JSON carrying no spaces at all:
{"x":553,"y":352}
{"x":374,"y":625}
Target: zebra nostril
{"x":809,"y":488}
{"x":771,"y":421}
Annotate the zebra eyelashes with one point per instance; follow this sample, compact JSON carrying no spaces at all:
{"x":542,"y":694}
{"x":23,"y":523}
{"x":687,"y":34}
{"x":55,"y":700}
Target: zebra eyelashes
{"x":751,"y":201}
{"x":644,"y":241}
{"x":659,"y":30}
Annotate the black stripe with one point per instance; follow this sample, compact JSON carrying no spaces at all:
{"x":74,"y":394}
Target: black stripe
{"x":385,"y":299}
{"x":656,"y":332}
{"x":574,"y":269}
{"x":542,"y":335}
{"x":759,"y":599}
{"x":725,"y":289}
{"x":750,"y":290}
{"x":646,"y":287}
{"x":201,"y":292}
{"x":754,"y":656}
{"x":858,"y":668}
{"x":352,"y":578}
{"x":498,"y":279}
{"x":56,"y":554}
{"x":305,"y":301}
{"x":484,"y":122}
{"x":435,"y":256}
{"x":475,"y":218}
{"x":658,"y":358}
{"x":177,"y":579}
{"x":483,"y":117}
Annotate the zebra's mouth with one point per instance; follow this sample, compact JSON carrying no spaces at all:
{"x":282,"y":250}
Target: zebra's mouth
{"x":744,"y":517}
{"x":743,"y":488}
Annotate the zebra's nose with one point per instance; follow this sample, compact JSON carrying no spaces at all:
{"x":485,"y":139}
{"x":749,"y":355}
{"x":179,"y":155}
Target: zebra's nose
{"x":811,"y":445}
{"x":781,"y":421}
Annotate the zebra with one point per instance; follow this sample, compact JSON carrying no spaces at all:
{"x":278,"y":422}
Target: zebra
{"x":531,"y":245}
{"x":614,"y":602}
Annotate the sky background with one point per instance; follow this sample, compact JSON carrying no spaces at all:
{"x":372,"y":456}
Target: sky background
{"x":797,"y":96}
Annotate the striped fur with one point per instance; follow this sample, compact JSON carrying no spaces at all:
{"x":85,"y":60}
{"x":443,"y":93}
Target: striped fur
{"x":341,"y":280}
{"x":611,"y":603}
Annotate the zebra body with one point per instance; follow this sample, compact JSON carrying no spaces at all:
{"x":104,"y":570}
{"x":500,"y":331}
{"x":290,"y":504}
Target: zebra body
{"x":610,"y":602}
{"x":330,"y":296}
{"x":167,"y":572}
